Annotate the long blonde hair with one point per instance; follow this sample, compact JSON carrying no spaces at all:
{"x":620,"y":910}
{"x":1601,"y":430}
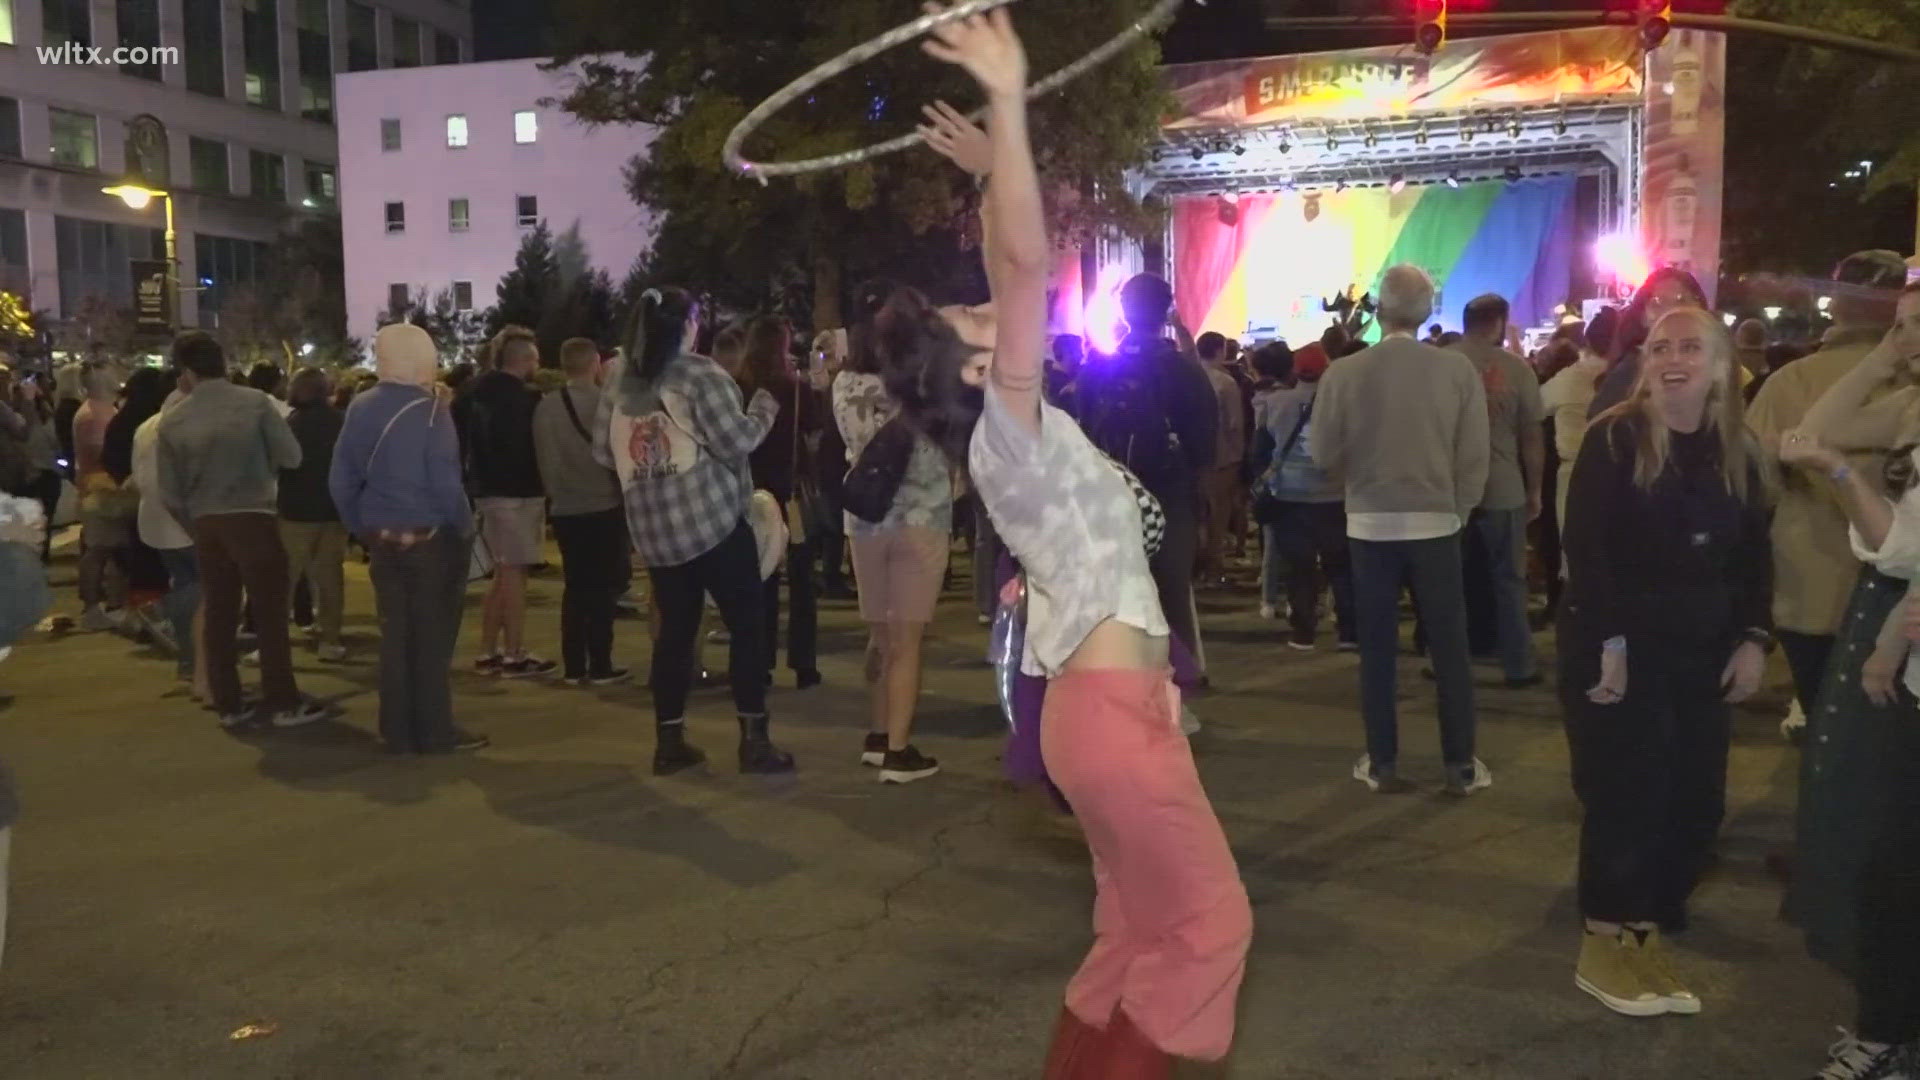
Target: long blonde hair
{"x":1726,"y":412}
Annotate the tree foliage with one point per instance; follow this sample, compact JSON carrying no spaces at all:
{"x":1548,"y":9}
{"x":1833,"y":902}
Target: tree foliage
{"x":522,"y":295}
{"x":709,"y":61}
{"x":456,"y":334}
{"x":307,"y":266}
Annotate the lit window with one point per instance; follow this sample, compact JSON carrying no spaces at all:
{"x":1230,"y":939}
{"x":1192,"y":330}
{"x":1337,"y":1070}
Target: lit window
{"x":463,"y":296}
{"x":390,"y":134}
{"x":456,"y":131}
{"x":396,"y":217}
{"x":457,"y":216}
{"x":527,"y":210}
{"x":526,"y":127}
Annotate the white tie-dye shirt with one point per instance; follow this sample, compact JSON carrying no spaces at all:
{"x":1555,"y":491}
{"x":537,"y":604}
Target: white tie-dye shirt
{"x":1064,"y":511}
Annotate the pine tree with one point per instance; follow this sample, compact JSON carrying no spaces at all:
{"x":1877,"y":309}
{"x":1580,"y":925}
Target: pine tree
{"x":524,"y":293}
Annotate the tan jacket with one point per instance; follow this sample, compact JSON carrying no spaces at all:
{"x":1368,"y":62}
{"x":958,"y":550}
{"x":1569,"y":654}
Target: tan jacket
{"x":1814,"y":565}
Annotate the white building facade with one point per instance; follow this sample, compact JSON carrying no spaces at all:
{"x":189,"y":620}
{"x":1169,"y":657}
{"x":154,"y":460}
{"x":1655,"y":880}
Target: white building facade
{"x":247,"y":93}
{"x":444,"y":170}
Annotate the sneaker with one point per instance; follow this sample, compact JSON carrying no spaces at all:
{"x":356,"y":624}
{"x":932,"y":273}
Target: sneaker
{"x":1609,"y":970}
{"x":1189,"y":723}
{"x":527,"y":667}
{"x":1853,"y":1059}
{"x":906,"y":766}
{"x":1383,"y":782}
{"x":236,"y":721}
{"x":467,"y":741}
{"x":95,"y":620}
{"x":1464,"y":780}
{"x":875,"y":753}
{"x":488,"y":665}
{"x":332,"y":654}
{"x":1267,"y":613}
{"x":305,"y":713}
{"x":1300,"y":643}
{"x":252,"y":659}
{"x":617,"y":675}
{"x":986,"y":620}
{"x":719,"y":637}
{"x":306,"y":627}
{"x":675,"y":754}
{"x":1348,"y":645}
{"x":1656,"y":971}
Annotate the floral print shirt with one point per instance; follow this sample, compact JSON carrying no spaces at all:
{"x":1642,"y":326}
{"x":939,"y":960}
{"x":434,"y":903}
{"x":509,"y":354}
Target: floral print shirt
{"x":861,"y":407}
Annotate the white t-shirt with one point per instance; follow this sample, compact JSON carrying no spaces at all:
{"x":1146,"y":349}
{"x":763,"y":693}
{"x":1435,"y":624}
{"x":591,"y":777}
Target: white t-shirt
{"x":158,"y":530}
{"x":1063,"y":509}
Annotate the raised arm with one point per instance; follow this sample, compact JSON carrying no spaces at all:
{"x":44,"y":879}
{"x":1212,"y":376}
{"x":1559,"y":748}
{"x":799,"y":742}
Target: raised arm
{"x":1019,"y":255}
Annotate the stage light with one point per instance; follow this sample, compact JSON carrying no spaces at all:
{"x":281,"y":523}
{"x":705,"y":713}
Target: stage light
{"x":1397,"y":183}
{"x":1453,"y":179}
{"x":1466,"y":132}
{"x":1513,"y":127}
{"x":1824,"y":303}
{"x":1285,"y":146}
{"x":1420,"y":136}
{"x":1340,"y":185}
{"x":1730,"y":318}
{"x":1560,"y":123}
{"x":1656,"y":20}
{"x":1102,"y":312}
{"x":1513,"y":174}
{"x":1239,"y":149}
{"x":1771,"y":311}
{"x":1488,"y":124}
{"x":1429,"y":26}
{"x":1372,"y":140}
{"x":1198,"y":153}
{"x":1154,"y":155}
{"x":1619,"y":256}
{"x":1333,"y":144}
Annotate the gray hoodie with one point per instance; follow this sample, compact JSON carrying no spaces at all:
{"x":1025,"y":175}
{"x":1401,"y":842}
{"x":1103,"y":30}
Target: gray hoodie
{"x":575,"y":482}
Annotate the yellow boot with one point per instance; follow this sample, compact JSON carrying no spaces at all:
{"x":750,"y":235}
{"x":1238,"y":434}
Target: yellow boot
{"x":1610,"y":970}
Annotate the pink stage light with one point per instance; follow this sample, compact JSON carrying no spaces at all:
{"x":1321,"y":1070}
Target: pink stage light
{"x":1619,"y":254}
{"x":1105,"y":324}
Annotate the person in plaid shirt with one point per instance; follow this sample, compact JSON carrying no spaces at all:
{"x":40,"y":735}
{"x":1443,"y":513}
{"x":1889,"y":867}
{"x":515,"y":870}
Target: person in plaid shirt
{"x":674,"y":431}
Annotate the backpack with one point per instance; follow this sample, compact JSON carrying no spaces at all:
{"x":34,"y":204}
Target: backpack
{"x":1132,"y":420}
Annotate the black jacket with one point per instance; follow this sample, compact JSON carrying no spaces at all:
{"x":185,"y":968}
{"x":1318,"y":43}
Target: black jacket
{"x":496,"y":415}
{"x":304,"y":496}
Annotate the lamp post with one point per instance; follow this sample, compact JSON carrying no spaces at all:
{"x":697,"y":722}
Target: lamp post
{"x":138,"y":196}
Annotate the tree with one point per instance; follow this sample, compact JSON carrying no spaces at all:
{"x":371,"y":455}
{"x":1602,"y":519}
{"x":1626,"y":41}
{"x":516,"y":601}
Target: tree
{"x":307,"y":265}
{"x":523,"y":294}
{"x":97,"y":319}
{"x":257,"y":323}
{"x":583,"y":309}
{"x":906,"y":214}
{"x":18,"y":337}
{"x":457,"y":335}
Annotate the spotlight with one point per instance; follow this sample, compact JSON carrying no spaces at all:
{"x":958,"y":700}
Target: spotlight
{"x":1488,"y":124}
{"x":1239,"y":149}
{"x":1560,"y":123}
{"x":1466,"y":132}
{"x":1420,"y":136}
{"x":1154,"y":155}
{"x":1372,"y":140}
{"x":1513,"y":174}
{"x":1333,"y":144}
{"x":1453,"y":179}
{"x":1513,"y":127}
{"x":1340,"y":185}
{"x":1198,"y":153}
{"x":1285,"y":146}
{"x":1397,"y":183}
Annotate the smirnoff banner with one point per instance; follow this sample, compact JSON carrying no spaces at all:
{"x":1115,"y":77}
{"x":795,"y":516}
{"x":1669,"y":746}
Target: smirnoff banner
{"x":1490,"y":72}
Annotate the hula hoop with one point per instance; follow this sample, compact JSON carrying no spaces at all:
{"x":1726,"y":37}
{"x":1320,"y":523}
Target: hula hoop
{"x":859,"y":54}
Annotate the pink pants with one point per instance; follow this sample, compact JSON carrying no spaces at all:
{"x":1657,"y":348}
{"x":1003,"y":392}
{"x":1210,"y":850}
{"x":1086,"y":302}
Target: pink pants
{"x":1171,"y":923}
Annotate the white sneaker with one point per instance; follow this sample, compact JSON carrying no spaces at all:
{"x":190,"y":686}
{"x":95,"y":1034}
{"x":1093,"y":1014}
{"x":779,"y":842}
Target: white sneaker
{"x":1479,"y":779}
{"x":1189,"y":723}
{"x":1267,"y":612}
{"x":95,"y":620}
{"x":1795,"y":723}
{"x":1379,"y":783}
{"x":332,"y":654}
{"x":252,"y":659}
{"x":305,"y":713}
{"x":1852,"y":1059}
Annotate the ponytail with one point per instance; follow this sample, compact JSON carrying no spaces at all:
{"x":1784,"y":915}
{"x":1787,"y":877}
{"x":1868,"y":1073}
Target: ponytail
{"x":657,"y":331}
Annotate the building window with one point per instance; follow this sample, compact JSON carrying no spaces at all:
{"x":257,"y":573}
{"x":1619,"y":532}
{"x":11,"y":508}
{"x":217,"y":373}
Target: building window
{"x":363,"y":50}
{"x":9,"y":126}
{"x":260,"y":47}
{"x":13,"y":250}
{"x":398,"y":299}
{"x":458,"y":217}
{"x":323,"y":188}
{"x":396,"y":217}
{"x":456,"y":132}
{"x":76,"y":139}
{"x":224,"y":264}
{"x":526,"y":126}
{"x":527,"y":210}
{"x":446,"y":48}
{"x":93,"y":259}
{"x":462,"y":293}
{"x":313,"y":41}
{"x":208,"y":158}
{"x":406,"y":42}
{"x":206,"y":47}
{"x":390,"y":134}
{"x":268,"y":173}
{"x":66,"y":22}
{"x":140,"y":29}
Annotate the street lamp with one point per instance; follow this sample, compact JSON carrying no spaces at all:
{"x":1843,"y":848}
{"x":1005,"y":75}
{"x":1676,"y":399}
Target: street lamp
{"x":139,"y":196}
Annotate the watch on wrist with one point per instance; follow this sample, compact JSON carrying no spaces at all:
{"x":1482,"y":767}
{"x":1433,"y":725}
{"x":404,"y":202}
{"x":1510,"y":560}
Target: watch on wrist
{"x":1763,"y":638}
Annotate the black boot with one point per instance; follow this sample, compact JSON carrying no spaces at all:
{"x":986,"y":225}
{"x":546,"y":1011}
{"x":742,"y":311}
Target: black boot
{"x":757,"y":752}
{"x":672,"y":752}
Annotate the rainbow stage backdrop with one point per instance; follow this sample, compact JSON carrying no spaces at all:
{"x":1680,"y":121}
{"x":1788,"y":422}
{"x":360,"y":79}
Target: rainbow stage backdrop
{"x":1269,"y":260}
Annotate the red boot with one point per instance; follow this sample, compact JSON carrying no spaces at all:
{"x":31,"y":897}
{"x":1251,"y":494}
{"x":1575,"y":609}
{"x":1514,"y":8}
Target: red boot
{"x":1075,"y":1053}
{"x":1130,"y":1056}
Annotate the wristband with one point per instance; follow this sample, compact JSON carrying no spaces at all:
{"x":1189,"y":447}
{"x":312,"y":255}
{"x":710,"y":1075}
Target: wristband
{"x":1841,"y":473}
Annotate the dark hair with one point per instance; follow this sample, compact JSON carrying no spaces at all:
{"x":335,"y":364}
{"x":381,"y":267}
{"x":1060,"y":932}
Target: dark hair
{"x":1335,"y":340}
{"x":457,"y":375}
{"x":264,"y":376}
{"x":509,"y":338}
{"x":868,"y":300}
{"x":1632,"y":332}
{"x":145,"y":391}
{"x":1145,"y":300}
{"x":1557,"y":357}
{"x":1069,"y":345}
{"x":1449,"y":339}
{"x":1211,"y":345}
{"x":658,"y":330}
{"x":1435,"y":329}
{"x":1274,"y":360}
{"x":768,"y":361}
{"x":198,"y":352}
{"x":921,"y":357}
{"x":1485,"y":312}
{"x":1601,"y":331}
{"x":729,"y":338}
{"x":1356,"y":346}
{"x":308,"y":387}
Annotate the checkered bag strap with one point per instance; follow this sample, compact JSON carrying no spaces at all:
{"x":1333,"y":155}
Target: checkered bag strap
{"x":1153,"y":519}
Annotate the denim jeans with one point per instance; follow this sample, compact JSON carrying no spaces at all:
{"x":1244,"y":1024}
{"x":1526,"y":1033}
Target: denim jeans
{"x":1380,"y":570}
{"x":1306,"y":545}
{"x":420,"y":592}
{"x":183,"y":599}
{"x":1503,"y":533}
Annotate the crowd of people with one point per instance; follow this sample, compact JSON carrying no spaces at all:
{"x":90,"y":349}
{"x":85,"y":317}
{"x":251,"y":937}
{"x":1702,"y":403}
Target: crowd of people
{"x":1684,"y":497}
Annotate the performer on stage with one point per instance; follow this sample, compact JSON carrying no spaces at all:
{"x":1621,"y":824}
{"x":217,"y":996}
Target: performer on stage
{"x":1171,"y":919}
